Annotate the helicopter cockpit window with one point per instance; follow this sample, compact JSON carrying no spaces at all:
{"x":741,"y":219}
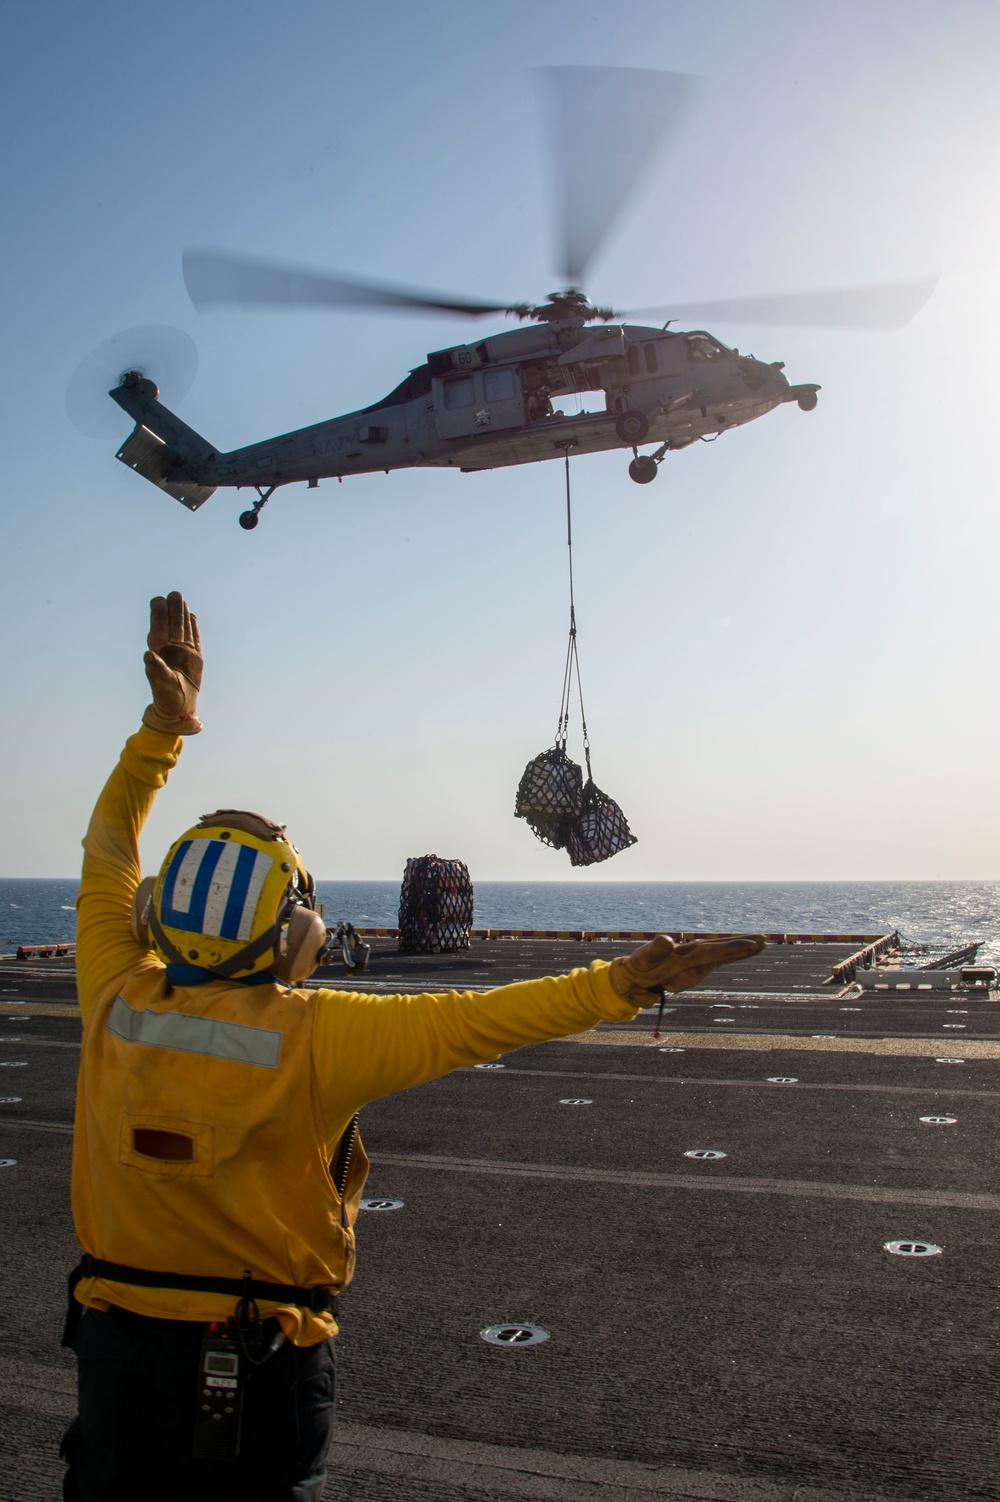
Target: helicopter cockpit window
{"x":459,"y":393}
{"x":633,"y":359}
{"x":703,"y":347}
{"x":651,"y":361}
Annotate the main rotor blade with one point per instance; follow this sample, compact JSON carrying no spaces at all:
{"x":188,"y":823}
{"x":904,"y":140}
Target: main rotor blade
{"x":883,"y":307}
{"x":606,"y":125}
{"x":213,"y":278}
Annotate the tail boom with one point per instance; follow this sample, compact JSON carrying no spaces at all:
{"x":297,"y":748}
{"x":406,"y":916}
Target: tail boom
{"x":163,"y":449}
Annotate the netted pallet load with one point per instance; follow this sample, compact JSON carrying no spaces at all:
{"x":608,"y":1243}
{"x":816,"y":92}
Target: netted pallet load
{"x":550,"y":791}
{"x":435,"y":906}
{"x":569,"y":814}
{"x":599,"y":831}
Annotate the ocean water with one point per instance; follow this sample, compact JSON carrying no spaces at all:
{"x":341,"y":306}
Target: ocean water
{"x":937,"y":914}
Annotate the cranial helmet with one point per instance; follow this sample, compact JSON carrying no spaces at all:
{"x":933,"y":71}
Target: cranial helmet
{"x":233,"y":897}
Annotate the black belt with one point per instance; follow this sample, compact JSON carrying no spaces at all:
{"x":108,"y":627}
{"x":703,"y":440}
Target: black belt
{"x":317,"y":1300}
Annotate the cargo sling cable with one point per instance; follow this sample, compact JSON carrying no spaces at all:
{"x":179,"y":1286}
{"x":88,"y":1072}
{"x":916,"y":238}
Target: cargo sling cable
{"x":572,"y":655}
{"x":563,"y":811}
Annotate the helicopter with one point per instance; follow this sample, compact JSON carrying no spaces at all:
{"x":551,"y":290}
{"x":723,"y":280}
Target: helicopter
{"x":503,"y":400}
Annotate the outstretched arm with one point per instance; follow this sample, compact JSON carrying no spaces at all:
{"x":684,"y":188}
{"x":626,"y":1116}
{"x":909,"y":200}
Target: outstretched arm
{"x":105,"y":945}
{"x":366,"y":1046}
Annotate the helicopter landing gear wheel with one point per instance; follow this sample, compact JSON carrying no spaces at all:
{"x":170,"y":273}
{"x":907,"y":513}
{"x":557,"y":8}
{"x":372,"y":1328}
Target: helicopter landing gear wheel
{"x":807,"y":400}
{"x":631,"y":427}
{"x":642,"y":469}
{"x":249,"y":519}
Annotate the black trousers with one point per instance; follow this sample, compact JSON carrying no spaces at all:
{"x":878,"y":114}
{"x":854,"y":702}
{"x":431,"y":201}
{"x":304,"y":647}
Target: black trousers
{"x":132,"y":1438}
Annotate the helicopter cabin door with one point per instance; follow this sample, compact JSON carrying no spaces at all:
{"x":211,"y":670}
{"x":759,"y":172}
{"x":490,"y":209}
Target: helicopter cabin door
{"x":480,"y":401}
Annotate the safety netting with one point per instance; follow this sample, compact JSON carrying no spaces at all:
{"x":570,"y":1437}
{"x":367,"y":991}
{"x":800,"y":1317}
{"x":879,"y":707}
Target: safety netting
{"x":552,"y":798}
{"x":435,"y":906}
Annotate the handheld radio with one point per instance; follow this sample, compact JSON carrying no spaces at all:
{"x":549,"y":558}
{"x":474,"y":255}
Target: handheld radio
{"x":222,"y":1371}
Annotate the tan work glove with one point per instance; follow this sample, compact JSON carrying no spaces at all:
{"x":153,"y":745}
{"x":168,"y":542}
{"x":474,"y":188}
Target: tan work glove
{"x":662,"y":965}
{"x":173,"y":666}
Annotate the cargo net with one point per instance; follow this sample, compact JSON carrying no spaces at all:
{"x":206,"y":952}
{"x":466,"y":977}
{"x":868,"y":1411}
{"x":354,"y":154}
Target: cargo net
{"x":565,"y":812}
{"x":599,"y":831}
{"x":552,"y":797}
{"x":435,"y":906}
{"x":549,"y":793}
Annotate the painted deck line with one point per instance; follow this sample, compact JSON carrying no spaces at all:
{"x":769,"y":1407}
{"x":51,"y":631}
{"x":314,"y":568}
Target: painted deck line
{"x":68,"y":1008}
{"x":26,"y":1042}
{"x":499,"y":1471}
{"x":912,"y":1048}
{"x":724,"y":1084}
{"x":945,"y":1199}
{"x":707,"y":1180}
{"x":764,"y":1042}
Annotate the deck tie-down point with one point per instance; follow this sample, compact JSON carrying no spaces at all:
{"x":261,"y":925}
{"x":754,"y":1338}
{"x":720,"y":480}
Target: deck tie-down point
{"x":514,"y":1334}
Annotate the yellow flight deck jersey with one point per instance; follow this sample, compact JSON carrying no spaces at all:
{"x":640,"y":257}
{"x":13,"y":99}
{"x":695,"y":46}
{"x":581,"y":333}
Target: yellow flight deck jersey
{"x":260,"y":1082}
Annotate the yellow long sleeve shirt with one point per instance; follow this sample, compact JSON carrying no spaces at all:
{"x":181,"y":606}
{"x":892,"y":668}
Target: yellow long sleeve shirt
{"x":338,"y":1051}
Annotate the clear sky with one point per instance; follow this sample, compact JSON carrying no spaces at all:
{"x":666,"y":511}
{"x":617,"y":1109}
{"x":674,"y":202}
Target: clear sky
{"x":788,"y":640}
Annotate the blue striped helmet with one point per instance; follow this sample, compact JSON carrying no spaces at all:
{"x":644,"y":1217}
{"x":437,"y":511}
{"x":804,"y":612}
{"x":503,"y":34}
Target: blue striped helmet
{"x":224,"y":893}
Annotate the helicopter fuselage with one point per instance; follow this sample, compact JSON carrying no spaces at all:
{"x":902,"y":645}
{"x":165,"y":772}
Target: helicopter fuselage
{"x":516,"y":397}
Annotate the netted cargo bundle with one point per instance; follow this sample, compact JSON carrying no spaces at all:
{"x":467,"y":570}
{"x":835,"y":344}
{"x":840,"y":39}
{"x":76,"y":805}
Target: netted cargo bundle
{"x":435,"y":906}
{"x":599,"y":831}
{"x":552,"y":784}
{"x":550,"y":791}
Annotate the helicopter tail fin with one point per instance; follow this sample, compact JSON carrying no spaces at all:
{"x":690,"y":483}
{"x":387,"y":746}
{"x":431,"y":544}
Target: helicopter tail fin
{"x":163,"y":449}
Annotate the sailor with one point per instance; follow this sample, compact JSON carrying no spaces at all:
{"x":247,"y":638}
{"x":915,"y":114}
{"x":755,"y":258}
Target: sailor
{"x":217,"y":1170}
{"x":541,"y":405}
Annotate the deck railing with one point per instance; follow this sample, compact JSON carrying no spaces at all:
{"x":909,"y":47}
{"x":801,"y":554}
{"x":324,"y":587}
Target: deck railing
{"x":844,"y":973}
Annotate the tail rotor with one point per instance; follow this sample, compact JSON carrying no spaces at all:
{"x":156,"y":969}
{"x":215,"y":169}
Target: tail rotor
{"x":165,"y":355}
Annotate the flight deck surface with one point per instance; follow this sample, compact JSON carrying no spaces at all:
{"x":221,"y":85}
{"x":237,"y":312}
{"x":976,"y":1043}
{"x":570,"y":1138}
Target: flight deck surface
{"x":726,"y":1328}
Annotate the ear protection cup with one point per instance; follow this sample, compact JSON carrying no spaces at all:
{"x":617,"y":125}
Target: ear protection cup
{"x":301,"y":943}
{"x":141,"y":898}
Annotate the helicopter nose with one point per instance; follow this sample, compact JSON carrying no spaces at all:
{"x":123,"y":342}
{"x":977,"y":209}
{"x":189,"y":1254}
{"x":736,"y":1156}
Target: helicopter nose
{"x":757,"y":374}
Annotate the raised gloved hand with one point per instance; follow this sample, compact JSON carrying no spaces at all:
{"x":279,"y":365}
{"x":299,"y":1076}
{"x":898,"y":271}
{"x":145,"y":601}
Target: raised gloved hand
{"x":662,"y":965}
{"x":173,"y":666}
